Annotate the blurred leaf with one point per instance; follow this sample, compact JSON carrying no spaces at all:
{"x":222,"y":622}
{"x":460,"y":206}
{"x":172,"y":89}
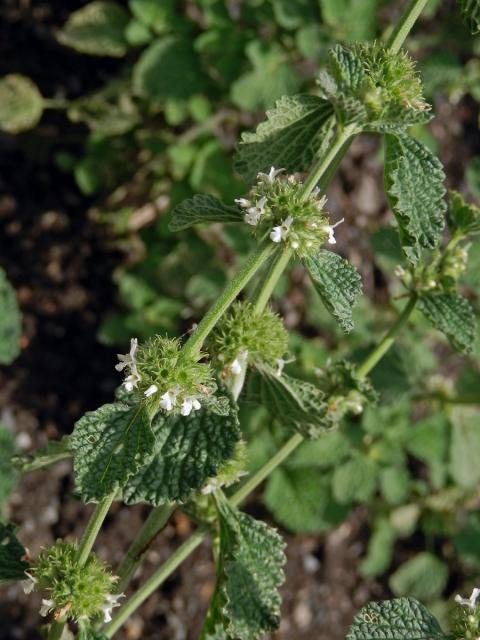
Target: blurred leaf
{"x":97,"y":29}
{"x":168,"y":68}
{"x":463,"y":216}
{"x":7,"y":472}
{"x":271,"y":78}
{"x":21,"y":103}
{"x":354,"y":481}
{"x":465,"y":446}
{"x":472,"y":175}
{"x":466,"y":541}
{"x":12,"y":554}
{"x":137,"y":34}
{"x":353,"y":19}
{"x":395,"y":483}
{"x":470,"y":10}
{"x":289,"y":138}
{"x":329,"y":450}
{"x":291,"y":14}
{"x":424,"y":577}
{"x":10,"y":321}
{"x":380,"y":549}
{"x":439,"y":70}
{"x":158,"y":16}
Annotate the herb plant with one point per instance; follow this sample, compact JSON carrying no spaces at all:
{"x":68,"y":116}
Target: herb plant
{"x":173,"y":437}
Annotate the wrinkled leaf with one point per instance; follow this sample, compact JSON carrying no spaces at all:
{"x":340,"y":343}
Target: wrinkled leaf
{"x":452,"y":314}
{"x":202,"y":208}
{"x":12,"y":565}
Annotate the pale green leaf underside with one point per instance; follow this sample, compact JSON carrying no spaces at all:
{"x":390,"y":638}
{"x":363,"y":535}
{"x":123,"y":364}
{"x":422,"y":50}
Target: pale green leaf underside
{"x":296,"y":403}
{"x":21,"y":104}
{"x":109,"y":445}
{"x":10,"y":321}
{"x":188,"y":451}
{"x":414,"y":186}
{"x":338,"y":284}
{"x":252,"y":556}
{"x":97,"y":29}
{"x":288,"y":139}
{"x":202,"y":208}
{"x":401,"y":619}
{"x":452,"y":314}
{"x":12,"y":567}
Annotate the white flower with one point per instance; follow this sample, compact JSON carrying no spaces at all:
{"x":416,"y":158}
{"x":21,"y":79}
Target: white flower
{"x":243,"y":203}
{"x":238,"y":364}
{"x":329,"y":229}
{"x":110,"y":603}
{"x":270,"y":176}
{"x":255,"y":212}
{"x":29,"y":585}
{"x":47,"y":606}
{"x":281,"y":232}
{"x":469,"y":602}
{"x":189,"y":403}
{"x":128,"y":359}
{"x":213,"y":485}
{"x":151,"y":390}
{"x":280,"y":365}
{"x":169,"y":399}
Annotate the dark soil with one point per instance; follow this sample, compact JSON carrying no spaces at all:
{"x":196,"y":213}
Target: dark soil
{"x":61,"y":264}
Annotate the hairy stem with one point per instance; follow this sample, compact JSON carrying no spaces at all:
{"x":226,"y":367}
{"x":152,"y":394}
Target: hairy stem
{"x":194,"y":343}
{"x":405,"y":24}
{"x":387,"y":341}
{"x":152,"y":526}
{"x":93,"y":527}
{"x":262,"y":296}
{"x":155,"y":581}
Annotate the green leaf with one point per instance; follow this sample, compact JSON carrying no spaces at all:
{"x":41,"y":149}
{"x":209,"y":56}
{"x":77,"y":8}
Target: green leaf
{"x":21,"y":103}
{"x":354,"y":481}
{"x":354,"y":20}
{"x":463,"y":217}
{"x":169,"y":68}
{"x":465,"y":446}
{"x":298,"y":498}
{"x":12,"y":565}
{"x":401,"y":619}
{"x":289,"y":138}
{"x":7,"y":471}
{"x":270,"y":78}
{"x":424,"y":577}
{"x":297,"y":404}
{"x":53,"y":452}
{"x":380,"y":549}
{"x":452,"y":314}
{"x":202,"y":208}
{"x":158,"y":16}
{"x":414,"y":186}
{"x":109,"y":445}
{"x":97,"y":29}
{"x":470,"y":10}
{"x":10,"y":321}
{"x":395,"y":484}
{"x":338,"y":284}
{"x":249,"y":575}
{"x":188,"y":451}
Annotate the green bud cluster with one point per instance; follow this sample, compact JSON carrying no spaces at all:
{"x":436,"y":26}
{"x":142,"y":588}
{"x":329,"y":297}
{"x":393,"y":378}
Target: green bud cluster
{"x":73,"y":591}
{"x":347,"y":393}
{"x":369,"y":81}
{"x":262,"y":337}
{"x":275,"y":206}
{"x":466,"y":620}
{"x":164,"y":369}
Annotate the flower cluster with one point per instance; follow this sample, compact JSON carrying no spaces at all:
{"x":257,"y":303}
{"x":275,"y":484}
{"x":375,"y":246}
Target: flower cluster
{"x":164,"y":377}
{"x":275,"y":205}
{"x":467,"y":621}
{"x":72,"y":591}
{"x":243,"y":337}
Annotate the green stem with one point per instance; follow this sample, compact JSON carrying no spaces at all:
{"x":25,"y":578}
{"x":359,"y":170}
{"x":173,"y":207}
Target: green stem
{"x":194,"y":343}
{"x":387,"y":341}
{"x":155,"y":522}
{"x":405,"y":24}
{"x":321,"y":167}
{"x":56,"y":630}
{"x":174,"y":561}
{"x":93,"y":527}
{"x":277,"y":267}
{"x":51,"y":103}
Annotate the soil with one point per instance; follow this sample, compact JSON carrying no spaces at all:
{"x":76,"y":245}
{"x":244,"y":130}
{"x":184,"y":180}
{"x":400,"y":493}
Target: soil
{"x":61,"y":264}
